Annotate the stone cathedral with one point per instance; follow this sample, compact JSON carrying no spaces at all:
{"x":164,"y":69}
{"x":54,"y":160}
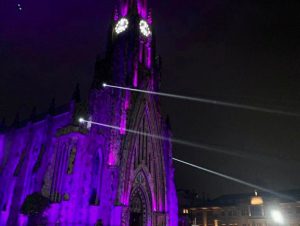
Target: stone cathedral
{"x":55,"y":170}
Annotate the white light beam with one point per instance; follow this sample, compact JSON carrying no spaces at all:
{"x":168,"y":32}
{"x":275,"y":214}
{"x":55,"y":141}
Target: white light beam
{"x":177,"y":141}
{"x":81,"y":120}
{"x":216,"y":149}
{"x":234,"y":179}
{"x":207,"y":101}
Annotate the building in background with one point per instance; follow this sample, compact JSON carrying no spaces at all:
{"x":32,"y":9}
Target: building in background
{"x":243,"y":210}
{"x":54,"y":170}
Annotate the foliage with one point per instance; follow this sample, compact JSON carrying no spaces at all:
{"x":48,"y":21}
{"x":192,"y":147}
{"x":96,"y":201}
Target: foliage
{"x":35,"y":204}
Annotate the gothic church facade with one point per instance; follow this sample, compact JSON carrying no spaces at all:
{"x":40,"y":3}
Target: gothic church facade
{"x":87,"y":174}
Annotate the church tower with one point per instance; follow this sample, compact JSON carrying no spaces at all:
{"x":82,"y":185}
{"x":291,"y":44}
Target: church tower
{"x":142,"y":166}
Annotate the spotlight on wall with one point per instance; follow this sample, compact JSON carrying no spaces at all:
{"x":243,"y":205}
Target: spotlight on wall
{"x":277,"y":217}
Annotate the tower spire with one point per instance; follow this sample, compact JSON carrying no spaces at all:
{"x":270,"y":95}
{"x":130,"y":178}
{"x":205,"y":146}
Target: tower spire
{"x":132,"y":37}
{"x":128,"y":6}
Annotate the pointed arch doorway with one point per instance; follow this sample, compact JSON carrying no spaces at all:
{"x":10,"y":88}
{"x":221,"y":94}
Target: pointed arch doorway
{"x":136,"y":211}
{"x":139,"y":208}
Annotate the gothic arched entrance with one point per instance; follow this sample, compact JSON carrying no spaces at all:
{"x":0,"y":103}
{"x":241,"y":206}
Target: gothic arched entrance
{"x":138,"y":212}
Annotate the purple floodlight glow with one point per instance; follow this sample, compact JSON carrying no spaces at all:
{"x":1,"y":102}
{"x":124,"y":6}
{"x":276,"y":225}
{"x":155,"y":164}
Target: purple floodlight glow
{"x":123,"y":123}
{"x":127,"y":100}
{"x":116,"y":15}
{"x":142,"y":9}
{"x":135,"y":76}
{"x":124,"y":9}
{"x":148,"y":56}
{"x":141,"y":46}
{"x":23,"y":220}
{"x":124,"y":113}
{"x":112,"y":158}
{"x":141,"y":6}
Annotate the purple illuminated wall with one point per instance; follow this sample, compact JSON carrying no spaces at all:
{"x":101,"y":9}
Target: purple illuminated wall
{"x":94,"y":174}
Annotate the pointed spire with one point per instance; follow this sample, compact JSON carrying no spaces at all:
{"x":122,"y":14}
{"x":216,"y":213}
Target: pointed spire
{"x":76,"y":94}
{"x":52,"y":107}
{"x":33,"y":114}
{"x":133,"y":7}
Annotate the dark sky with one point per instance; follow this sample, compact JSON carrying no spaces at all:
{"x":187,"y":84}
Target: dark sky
{"x":239,"y":51}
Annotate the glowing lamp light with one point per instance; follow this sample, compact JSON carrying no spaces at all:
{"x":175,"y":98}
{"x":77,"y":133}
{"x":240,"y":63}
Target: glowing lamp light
{"x":80,"y":120}
{"x":257,"y":201}
{"x":185,"y":211}
{"x":121,"y":25}
{"x":144,"y":28}
{"x":277,"y":216}
{"x":104,"y":85}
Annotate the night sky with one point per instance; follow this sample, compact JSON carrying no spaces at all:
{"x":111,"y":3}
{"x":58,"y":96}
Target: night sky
{"x":238,"y":51}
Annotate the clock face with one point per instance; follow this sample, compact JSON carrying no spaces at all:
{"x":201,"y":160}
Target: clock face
{"x":145,"y":28}
{"x":121,"y":25}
